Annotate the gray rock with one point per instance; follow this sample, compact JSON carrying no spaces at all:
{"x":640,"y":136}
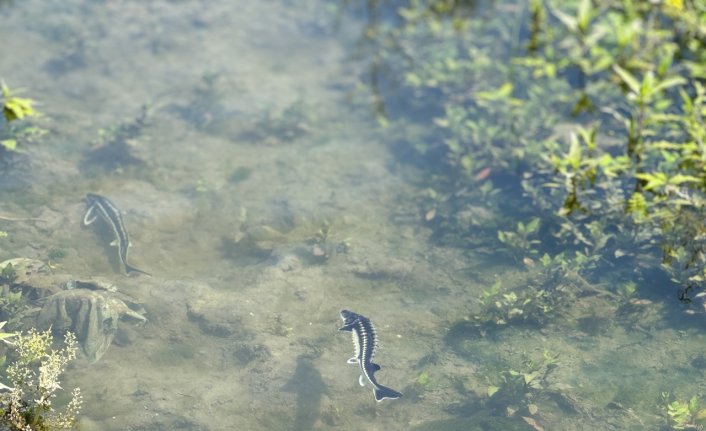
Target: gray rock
{"x":92,"y":315}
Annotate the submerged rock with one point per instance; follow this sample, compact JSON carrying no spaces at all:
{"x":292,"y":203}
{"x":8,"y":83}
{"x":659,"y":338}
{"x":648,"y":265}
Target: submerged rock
{"x":33,"y":277}
{"x":90,"y":308}
{"x":92,"y":315}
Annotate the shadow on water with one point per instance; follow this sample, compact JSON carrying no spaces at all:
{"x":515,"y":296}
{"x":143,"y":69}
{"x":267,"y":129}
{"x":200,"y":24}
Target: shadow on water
{"x":464,"y":336}
{"x":309,"y":387}
{"x":115,"y":149}
{"x":105,"y":236}
{"x":72,"y":58}
{"x":12,"y":168}
{"x":243,"y":254}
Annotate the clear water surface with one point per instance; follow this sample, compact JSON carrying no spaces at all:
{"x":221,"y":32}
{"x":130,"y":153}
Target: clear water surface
{"x":264,"y":196}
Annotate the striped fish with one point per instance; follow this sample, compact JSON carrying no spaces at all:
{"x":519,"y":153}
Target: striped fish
{"x":365,"y":342}
{"x":101,"y":206}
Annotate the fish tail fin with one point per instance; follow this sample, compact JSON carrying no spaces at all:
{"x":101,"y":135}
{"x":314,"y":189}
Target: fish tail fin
{"x":383,"y":392}
{"x":131,"y":269}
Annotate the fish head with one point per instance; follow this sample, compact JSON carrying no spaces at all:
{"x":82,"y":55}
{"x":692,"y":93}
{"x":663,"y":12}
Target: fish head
{"x":349,"y":317}
{"x":92,"y":198}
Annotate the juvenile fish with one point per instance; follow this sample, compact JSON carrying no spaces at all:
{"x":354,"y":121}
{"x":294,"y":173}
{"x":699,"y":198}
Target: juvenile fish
{"x":365,"y":342}
{"x":101,"y":206}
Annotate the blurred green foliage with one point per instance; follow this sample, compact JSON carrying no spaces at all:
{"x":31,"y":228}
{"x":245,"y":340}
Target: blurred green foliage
{"x":13,"y":130}
{"x":586,"y":115}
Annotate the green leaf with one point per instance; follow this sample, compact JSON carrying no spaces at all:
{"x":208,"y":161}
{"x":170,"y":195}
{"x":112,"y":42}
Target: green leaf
{"x":492,"y":390}
{"x":647,"y":88}
{"x":17,"y":108}
{"x":679,"y":179}
{"x":658,"y":179}
{"x":574,"y":156}
{"x":494,"y":289}
{"x":669,"y":82}
{"x":584,"y":15}
{"x":9,"y":144}
{"x":569,"y":21}
{"x":423,"y":378}
{"x":637,"y":204}
{"x":628,"y":78}
{"x":532,"y":226}
{"x":467,"y":163}
{"x":503,"y":92}
{"x":694,"y":405}
{"x":5,"y":335}
{"x":546,"y":259}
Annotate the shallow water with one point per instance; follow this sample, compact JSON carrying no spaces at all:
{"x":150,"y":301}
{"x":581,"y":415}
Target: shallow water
{"x":255,"y":146}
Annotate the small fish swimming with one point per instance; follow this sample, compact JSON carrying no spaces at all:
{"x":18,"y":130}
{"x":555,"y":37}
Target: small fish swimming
{"x":99,"y":205}
{"x":365,"y":341}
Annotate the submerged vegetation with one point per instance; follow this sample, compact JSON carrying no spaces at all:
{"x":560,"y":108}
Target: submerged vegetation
{"x":13,"y":130}
{"x":586,"y":115}
{"x":518,"y":390}
{"x":684,"y":414}
{"x":34,"y":375}
{"x":568,"y":135}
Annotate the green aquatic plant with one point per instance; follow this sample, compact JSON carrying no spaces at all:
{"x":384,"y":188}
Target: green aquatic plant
{"x":521,"y":243}
{"x":324,"y":243}
{"x":55,"y":254}
{"x":12,"y":303}
{"x":520,"y":389}
{"x":684,"y":414}
{"x":593,"y":123}
{"x":5,"y":338}
{"x":8,"y":274}
{"x":15,"y":109}
{"x":549,"y":291}
{"x":34,"y":375}
{"x":599,"y":118}
{"x":522,"y":304}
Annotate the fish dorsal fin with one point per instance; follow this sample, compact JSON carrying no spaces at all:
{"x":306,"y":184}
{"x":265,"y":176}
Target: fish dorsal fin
{"x":374,"y":367}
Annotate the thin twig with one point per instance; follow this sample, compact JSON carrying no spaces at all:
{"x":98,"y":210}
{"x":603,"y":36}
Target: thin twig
{"x":6,"y":218}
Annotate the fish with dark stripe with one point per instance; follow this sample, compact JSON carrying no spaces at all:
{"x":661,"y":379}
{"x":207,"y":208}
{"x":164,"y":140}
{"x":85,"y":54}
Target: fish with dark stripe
{"x":365,"y":342}
{"x":101,"y":206}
